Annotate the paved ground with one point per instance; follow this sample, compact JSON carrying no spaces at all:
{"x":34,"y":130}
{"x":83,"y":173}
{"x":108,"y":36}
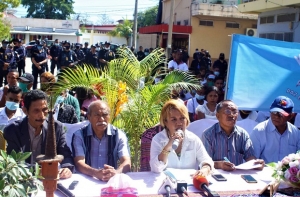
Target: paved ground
{"x":28,"y":68}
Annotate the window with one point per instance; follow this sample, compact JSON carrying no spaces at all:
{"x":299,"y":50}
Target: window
{"x":279,"y":36}
{"x":178,"y":23}
{"x":271,"y":36}
{"x":286,"y":17}
{"x":232,"y":25}
{"x":289,"y":36}
{"x":266,"y":19}
{"x":186,"y":22}
{"x":88,"y":31}
{"x":263,"y":35}
{"x":254,"y":26}
{"x":206,"y":23}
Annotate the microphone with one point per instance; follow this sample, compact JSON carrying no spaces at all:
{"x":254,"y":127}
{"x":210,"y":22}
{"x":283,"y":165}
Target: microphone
{"x":176,"y":141}
{"x":64,"y":190}
{"x":201,"y":183}
{"x":168,"y":190}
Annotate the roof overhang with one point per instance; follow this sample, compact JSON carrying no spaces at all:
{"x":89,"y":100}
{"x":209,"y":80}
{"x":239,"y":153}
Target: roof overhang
{"x":42,"y":33}
{"x":164,"y":28}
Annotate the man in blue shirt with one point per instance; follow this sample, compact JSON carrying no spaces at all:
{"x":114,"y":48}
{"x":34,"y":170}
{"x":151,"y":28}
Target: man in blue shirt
{"x":99,"y":147}
{"x":276,"y":138}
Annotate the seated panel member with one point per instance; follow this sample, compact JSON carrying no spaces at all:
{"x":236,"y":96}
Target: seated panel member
{"x":275,"y":138}
{"x":226,"y":139}
{"x":29,"y":134}
{"x":12,"y":111}
{"x":99,"y":146}
{"x":190,"y":153}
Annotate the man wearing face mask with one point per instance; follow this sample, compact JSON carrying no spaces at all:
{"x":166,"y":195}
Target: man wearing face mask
{"x":105,"y":55}
{"x":216,"y":71}
{"x":55,"y":51}
{"x":79,"y":53}
{"x":221,"y":63}
{"x":7,"y":61}
{"x":193,"y":103}
{"x":92,"y":57}
{"x":39,"y":61}
{"x":20,"y":56}
{"x":67,"y":58}
{"x":26,"y":82}
{"x":68,"y":99}
{"x":12,"y":111}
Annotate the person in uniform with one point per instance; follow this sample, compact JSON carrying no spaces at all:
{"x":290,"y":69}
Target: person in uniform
{"x":92,"y":57}
{"x":19,"y":55}
{"x":39,"y":62}
{"x":79,"y":53}
{"x":67,"y":57}
{"x":105,"y":55}
{"x":47,"y":51}
{"x":7,"y":61}
{"x":55,"y":51}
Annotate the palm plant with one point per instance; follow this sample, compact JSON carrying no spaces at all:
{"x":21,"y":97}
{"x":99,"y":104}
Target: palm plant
{"x":128,"y":87}
{"x":123,"y":30}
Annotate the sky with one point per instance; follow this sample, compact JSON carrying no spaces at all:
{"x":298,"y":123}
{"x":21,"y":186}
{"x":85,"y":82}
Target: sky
{"x":115,"y":9}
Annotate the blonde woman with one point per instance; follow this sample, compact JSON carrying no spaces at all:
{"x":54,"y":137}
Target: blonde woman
{"x":190,"y":153}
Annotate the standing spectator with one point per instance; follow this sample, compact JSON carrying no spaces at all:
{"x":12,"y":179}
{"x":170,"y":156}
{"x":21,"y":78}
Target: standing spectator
{"x":196,"y":54}
{"x":39,"y":62}
{"x":105,"y":55}
{"x":47,"y":51}
{"x":7,"y":61}
{"x":79,"y":53}
{"x":20,"y":56}
{"x":55,"y":51}
{"x":221,"y":63}
{"x":86,"y":49}
{"x":185,"y":56}
{"x":177,"y":63}
{"x":140,"y":54}
{"x":92,"y":57}
{"x":67,"y":58}
{"x":70,"y":100}
{"x":219,"y":83}
{"x":193,"y":103}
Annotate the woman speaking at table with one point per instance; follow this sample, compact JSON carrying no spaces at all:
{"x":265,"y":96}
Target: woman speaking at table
{"x":176,"y":147}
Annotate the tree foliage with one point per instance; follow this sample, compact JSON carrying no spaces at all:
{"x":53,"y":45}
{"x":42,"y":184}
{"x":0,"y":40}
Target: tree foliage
{"x":147,"y":17}
{"x":4,"y":24}
{"x":49,"y":9}
{"x":123,"y":30}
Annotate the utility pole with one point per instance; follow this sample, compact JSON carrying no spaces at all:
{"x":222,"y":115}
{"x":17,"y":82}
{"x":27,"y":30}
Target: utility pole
{"x":170,"y":31}
{"x":134,"y":36}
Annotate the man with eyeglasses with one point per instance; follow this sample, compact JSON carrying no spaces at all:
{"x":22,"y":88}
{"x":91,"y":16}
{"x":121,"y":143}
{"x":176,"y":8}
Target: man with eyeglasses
{"x":225,"y":142}
{"x":276,"y":138}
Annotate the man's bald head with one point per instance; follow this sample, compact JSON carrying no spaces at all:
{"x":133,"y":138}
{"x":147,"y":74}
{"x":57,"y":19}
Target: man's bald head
{"x":98,"y":104}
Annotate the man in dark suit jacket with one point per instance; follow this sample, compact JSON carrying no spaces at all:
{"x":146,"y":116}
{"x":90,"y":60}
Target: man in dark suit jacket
{"x":29,"y":134}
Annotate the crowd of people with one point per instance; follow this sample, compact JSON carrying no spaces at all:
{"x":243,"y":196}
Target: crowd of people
{"x":101,"y":150}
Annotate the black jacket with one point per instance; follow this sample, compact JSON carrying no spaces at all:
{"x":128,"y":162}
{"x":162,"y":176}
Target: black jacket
{"x":17,"y":136}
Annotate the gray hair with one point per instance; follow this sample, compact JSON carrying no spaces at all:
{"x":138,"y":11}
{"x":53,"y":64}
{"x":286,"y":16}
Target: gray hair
{"x":221,"y":104}
{"x":98,"y":102}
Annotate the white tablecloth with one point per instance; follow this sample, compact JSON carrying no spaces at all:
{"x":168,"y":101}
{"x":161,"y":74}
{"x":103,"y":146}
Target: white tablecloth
{"x":149,"y":183}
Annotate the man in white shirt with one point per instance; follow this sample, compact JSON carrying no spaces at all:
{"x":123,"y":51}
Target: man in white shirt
{"x":177,"y":63}
{"x":11,"y":112}
{"x":12,"y":80}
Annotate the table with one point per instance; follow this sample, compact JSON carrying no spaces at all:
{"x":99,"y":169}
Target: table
{"x":148,"y":183}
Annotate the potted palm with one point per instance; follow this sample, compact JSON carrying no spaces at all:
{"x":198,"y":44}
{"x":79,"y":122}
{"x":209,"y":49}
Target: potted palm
{"x":128,"y":87}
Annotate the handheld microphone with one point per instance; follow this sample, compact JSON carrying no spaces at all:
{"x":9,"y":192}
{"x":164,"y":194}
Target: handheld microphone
{"x":201,"y":183}
{"x":176,"y":141}
{"x":168,"y":190}
{"x":64,"y":190}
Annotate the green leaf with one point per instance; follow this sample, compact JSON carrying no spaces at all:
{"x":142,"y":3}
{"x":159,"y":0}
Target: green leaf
{"x":2,"y":184}
{"x":272,"y":165}
{"x":6,"y":188}
{"x":13,"y":192}
{"x":24,"y":156}
{"x":4,"y":155}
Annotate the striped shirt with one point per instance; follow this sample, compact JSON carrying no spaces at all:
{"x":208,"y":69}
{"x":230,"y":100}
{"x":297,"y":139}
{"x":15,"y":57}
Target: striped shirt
{"x":237,"y":147}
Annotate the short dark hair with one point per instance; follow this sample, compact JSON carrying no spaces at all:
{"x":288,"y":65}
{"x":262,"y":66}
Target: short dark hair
{"x":13,"y":71}
{"x":220,"y":105}
{"x":33,"y":95}
{"x":219,"y":78}
{"x":14,"y":90}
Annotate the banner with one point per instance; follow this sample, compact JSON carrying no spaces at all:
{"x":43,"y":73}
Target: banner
{"x":262,"y":69}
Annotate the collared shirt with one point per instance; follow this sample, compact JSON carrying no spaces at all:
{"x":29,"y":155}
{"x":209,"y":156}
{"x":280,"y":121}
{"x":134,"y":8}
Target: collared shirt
{"x":4,"y":120}
{"x":181,"y":66}
{"x":270,"y":145}
{"x":36,"y":143}
{"x":99,"y":148}
{"x":1,"y":92}
{"x":237,"y":147}
{"x":193,"y":153}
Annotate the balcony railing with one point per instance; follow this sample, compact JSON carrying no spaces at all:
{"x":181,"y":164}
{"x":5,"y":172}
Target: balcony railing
{"x":220,"y":10}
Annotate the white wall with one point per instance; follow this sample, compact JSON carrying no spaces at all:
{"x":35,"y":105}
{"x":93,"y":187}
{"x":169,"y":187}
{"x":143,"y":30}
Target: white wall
{"x":72,"y":39}
{"x":282,"y":26}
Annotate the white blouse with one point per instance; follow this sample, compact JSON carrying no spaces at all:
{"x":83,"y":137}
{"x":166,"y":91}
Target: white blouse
{"x":193,"y":153}
{"x":208,"y":114}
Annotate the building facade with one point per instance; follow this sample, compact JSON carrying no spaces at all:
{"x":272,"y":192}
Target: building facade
{"x":277,"y":19}
{"x":203,"y":24}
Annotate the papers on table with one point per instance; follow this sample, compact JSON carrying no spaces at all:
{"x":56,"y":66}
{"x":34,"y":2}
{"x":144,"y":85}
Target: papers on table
{"x":248,"y":165}
{"x":183,"y":174}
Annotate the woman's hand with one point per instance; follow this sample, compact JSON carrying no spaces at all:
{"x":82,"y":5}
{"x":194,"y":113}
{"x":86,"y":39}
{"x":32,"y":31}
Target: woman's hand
{"x":204,"y":171}
{"x":173,"y":137}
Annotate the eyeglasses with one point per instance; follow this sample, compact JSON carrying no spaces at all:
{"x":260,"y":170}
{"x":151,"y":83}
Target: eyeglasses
{"x":230,"y":112}
{"x":276,"y":113}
